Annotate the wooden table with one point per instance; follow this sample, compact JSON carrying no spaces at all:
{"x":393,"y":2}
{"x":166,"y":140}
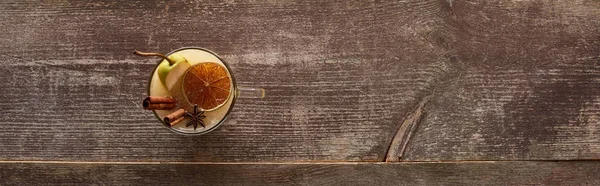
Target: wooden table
{"x":421,"y":92}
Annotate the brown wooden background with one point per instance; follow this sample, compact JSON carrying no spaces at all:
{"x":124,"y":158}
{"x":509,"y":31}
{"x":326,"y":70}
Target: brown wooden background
{"x":421,"y":92}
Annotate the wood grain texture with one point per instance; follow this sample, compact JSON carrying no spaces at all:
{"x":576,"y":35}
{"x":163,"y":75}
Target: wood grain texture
{"x":475,"y":173}
{"x":528,"y":87}
{"x":507,"y":79}
{"x":340,"y":77}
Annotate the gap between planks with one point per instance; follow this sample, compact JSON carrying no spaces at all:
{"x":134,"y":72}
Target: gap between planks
{"x":282,"y":163}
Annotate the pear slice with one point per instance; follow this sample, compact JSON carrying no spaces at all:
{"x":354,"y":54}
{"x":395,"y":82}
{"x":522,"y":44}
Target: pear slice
{"x":175,"y":74}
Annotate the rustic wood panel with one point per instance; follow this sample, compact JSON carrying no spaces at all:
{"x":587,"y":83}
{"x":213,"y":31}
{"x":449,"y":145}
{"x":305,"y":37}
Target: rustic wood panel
{"x":489,"y":79}
{"x":475,"y":173}
{"x":340,"y":77}
{"x":528,"y":88}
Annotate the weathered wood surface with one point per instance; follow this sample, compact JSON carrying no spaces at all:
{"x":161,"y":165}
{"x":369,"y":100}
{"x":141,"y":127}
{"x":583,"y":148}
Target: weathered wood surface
{"x":473,"y":173}
{"x":528,"y":85}
{"x":503,"y":80}
{"x":339,"y":77}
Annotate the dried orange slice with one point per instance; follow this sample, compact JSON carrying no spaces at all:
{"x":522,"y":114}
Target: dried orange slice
{"x":207,"y":84}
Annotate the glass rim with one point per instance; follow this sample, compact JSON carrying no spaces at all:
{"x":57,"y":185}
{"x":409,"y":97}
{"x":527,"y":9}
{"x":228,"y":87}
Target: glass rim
{"x":233,"y":92}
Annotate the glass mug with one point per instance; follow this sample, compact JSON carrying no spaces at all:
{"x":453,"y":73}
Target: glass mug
{"x":177,"y":92}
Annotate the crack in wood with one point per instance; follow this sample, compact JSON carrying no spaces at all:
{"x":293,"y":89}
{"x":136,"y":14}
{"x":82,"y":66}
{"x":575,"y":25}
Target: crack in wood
{"x":409,"y":124}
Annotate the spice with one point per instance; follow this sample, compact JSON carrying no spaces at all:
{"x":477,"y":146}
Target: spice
{"x":158,"y":103}
{"x":196,"y":118}
{"x":175,"y":117}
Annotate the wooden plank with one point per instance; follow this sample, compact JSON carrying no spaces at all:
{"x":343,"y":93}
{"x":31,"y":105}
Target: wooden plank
{"x":462,"y":173}
{"x":93,"y":111}
{"x":528,"y":87}
{"x":340,"y":77}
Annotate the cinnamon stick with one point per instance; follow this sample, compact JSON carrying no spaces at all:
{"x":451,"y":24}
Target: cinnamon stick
{"x":160,"y":99}
{"x":159,"y":106}
{"x":175,"y":117}
{"x":176,"y":121}
{"x":158,"y":103}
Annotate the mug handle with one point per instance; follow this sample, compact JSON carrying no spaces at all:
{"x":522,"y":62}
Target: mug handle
{"x":246,"y":92}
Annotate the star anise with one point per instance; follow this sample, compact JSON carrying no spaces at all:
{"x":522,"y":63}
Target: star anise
{"x":196,"y":118}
